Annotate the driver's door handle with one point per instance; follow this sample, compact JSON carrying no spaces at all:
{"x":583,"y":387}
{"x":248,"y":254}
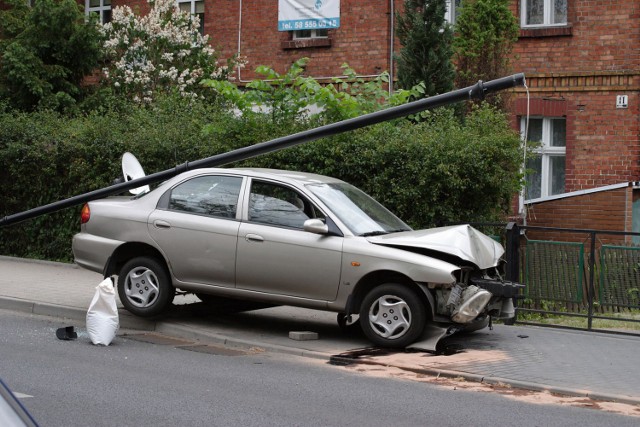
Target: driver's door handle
{"x":253,"y":238}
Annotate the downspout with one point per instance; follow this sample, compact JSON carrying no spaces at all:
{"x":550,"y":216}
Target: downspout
{"x":239,"y":37}
{"x":392,"y":19}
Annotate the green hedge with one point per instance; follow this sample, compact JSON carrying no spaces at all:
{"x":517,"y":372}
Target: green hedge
{"x":428,"y":173}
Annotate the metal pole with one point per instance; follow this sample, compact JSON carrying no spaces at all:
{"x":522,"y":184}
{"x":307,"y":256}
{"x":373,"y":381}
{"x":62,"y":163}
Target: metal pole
{"x":512,"y":252}
{"x":476,"y":91}
{"x":591,"y":288}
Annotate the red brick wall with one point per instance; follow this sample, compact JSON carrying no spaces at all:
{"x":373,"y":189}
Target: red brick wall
{"x":604,"y":36}
{"x":602,"y":141}
{"x":594,"y":59}
{"x":140,"y":7}
{"x":604,"y":210}
{"x":361,"y":41}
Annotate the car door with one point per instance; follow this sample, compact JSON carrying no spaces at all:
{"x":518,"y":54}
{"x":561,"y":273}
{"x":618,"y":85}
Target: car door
{"x":275,"y":255}
{"x":196,"y":227}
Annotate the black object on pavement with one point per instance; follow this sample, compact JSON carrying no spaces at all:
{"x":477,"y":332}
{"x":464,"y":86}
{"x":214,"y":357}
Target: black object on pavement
{"x":67,"y":333}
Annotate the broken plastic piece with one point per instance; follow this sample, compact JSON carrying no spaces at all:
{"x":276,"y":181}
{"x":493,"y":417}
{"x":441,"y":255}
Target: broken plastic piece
{"x":67,"y":333}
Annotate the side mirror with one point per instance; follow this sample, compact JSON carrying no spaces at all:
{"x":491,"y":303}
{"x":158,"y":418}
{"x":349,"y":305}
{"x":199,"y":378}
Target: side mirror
{"x":316,"y":226}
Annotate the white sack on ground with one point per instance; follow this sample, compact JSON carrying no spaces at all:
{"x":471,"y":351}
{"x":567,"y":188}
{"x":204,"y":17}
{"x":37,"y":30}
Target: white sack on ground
{"x":102,"y":317}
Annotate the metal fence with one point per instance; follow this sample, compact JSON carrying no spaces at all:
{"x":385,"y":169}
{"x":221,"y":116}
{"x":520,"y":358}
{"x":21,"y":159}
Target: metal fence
{"x":593,"y":275}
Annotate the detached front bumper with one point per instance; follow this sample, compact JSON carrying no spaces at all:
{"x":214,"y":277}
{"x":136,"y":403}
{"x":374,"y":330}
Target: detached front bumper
{"x":499,"y":288}
{"x":504,"y":293}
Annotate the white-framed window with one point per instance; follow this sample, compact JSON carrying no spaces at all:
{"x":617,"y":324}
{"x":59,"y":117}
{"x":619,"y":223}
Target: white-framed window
{"x":102,"y":8}
{"x":194,"y":7}
{"x":321,"y":33}
{"x":546,"y":168}
{"x":453,"y":11}
{"x":543,"y":13}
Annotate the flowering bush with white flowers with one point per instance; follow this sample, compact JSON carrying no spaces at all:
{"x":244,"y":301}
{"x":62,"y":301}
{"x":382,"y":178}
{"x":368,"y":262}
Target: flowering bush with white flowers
{"x":161,"y":52}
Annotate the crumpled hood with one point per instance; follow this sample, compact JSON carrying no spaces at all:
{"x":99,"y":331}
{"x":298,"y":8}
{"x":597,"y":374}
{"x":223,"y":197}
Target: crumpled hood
{"x":462,"y":241}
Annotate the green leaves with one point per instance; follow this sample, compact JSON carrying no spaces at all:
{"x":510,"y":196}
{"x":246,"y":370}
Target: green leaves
{"x":47,"y":51}
{"x":288,"y":98}
{"x":425,"y":56}
{"x":437,"y":171}
{"x":486,"y":32}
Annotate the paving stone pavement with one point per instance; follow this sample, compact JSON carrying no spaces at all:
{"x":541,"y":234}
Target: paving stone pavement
{"x":601,"y":366}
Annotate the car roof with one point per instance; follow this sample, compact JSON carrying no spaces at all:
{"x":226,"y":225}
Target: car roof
{"x":298,"y":177}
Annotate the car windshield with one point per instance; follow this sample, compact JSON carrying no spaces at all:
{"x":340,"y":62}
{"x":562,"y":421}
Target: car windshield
{"x":360,"y":212}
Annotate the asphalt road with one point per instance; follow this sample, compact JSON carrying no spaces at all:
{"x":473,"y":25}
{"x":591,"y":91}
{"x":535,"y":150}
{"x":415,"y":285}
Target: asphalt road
{"x":137,"y":383}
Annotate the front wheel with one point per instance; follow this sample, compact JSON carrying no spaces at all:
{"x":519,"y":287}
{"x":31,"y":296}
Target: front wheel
{"x":144,"y":287}
{"x":392,"y":315}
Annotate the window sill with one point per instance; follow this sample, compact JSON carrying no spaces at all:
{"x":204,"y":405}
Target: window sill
{"x":565,"y":30}
{"x":306,"y":43}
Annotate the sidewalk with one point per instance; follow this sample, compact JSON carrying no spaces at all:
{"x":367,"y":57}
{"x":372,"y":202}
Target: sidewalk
{"x":574,"y":363}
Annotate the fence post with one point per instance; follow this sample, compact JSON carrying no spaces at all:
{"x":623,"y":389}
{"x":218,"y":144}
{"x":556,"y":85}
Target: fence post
{"x":512,"y":252}
{"x":591,"y":289}
{"x":512,"y":255}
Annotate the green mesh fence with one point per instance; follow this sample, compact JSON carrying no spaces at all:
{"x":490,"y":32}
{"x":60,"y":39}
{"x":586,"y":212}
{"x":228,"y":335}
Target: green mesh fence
{"x":619,"y":285}
{"x":554,"y":271}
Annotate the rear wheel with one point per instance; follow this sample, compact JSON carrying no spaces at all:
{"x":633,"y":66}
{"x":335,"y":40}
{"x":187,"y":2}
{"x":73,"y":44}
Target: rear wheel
{"x":392,"y":315}
{"x":144,"y":287}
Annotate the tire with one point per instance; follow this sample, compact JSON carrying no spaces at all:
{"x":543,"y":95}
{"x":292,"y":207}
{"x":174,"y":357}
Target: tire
{"x":144,"y":287}
{"x":392,"y":315}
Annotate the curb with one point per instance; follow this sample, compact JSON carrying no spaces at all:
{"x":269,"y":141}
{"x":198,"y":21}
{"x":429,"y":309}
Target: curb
{"x":186,"y":332}
{"x":128,"y":321}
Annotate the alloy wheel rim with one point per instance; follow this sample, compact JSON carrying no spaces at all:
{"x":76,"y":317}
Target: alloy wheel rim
{"x":141,"y":287}
{"x":390,"y":317}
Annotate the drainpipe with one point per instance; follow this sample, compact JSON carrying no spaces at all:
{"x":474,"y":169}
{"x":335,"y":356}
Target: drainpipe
{"x":392,"y":16}
{"x":239,"y":36}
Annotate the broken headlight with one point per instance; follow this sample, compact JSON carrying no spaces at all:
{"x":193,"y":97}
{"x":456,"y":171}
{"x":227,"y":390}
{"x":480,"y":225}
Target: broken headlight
{"x":474,"y":300}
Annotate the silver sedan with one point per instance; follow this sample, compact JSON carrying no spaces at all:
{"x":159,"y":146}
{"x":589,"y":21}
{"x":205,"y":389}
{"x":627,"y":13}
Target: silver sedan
{"x":276,"y":237}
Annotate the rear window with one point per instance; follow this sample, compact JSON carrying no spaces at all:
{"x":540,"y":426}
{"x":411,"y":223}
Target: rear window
{"x":211,"y":195}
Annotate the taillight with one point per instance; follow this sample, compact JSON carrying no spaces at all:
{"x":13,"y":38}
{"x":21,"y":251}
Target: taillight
{"x":85,"y":214}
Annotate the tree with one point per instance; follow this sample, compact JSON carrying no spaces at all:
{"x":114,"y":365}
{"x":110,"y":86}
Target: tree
{"x":426,"y":52}
{"x":12,"y":20}
{"x":162,"y":51}
{"x":45,"y":53}
{"x":486,"y":31}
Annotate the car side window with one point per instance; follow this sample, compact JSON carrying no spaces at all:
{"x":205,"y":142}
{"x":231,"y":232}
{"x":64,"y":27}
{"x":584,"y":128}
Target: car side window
{"x":213,"y":195}
{"x":275,"y":204}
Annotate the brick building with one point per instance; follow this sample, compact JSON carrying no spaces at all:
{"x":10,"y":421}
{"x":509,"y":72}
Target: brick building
{"x":250,"y":28}
{"x":583,"y":77}
{"x":582,"y":63}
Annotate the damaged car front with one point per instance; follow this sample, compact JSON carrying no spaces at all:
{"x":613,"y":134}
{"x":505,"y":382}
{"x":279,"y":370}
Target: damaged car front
{"x":479,"y":292}
{"x":455,"y":274}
